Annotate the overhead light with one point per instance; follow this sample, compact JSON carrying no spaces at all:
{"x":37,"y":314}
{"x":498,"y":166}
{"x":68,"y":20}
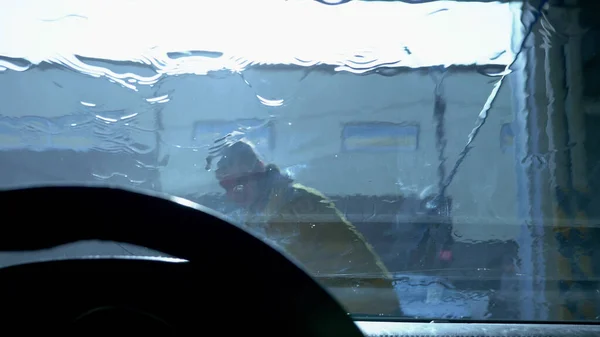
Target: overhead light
{"x":232,"y":35}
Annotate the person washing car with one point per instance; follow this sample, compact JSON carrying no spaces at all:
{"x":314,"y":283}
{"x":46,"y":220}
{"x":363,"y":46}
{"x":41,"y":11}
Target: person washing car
{"x":307,"y":226}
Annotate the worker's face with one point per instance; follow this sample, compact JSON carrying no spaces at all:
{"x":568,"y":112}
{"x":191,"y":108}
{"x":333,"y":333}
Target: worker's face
{"x":241,"y":189}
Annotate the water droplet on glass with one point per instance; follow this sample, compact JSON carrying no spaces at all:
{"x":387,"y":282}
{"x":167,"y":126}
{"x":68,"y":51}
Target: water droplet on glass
{"x":270,"y":102}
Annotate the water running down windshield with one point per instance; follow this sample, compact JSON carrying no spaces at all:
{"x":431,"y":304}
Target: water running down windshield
{"x":425,"y":160}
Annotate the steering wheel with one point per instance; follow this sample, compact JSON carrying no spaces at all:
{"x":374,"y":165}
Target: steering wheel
{"x":232,"y":282}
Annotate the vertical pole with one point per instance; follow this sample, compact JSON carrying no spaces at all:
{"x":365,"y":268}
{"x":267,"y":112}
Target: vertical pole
{"x":544,"y":176}
{"x":569,"y":246}
{"x":577,"y":242}
{"x":530,"y":176}
{"x":558,"y":160}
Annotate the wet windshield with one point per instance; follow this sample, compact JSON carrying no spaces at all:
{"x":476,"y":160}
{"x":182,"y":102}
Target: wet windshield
{"x":420,"y":159}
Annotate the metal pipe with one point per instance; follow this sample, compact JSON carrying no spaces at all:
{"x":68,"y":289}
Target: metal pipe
{"x":567,"y":164}
{"x":529,"y":177}
{"x":581,"y":261}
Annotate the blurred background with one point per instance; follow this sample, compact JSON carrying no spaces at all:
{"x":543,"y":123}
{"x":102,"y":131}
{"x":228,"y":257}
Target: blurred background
{"x":457,"y":136}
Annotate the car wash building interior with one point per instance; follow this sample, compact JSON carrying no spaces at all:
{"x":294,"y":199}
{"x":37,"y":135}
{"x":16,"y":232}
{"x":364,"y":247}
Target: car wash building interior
{"x":371,"y":140}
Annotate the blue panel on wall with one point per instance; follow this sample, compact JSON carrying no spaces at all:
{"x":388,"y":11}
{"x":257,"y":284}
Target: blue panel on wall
{"x":70,"y":132}
{"x":379,"y":137}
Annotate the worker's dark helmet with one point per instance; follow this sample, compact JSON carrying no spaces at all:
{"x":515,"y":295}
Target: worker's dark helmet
{"x":238,"y":159}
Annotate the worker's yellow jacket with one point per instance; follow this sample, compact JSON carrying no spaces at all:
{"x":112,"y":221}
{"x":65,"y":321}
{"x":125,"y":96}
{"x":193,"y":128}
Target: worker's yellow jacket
{"x":307,"y":226}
